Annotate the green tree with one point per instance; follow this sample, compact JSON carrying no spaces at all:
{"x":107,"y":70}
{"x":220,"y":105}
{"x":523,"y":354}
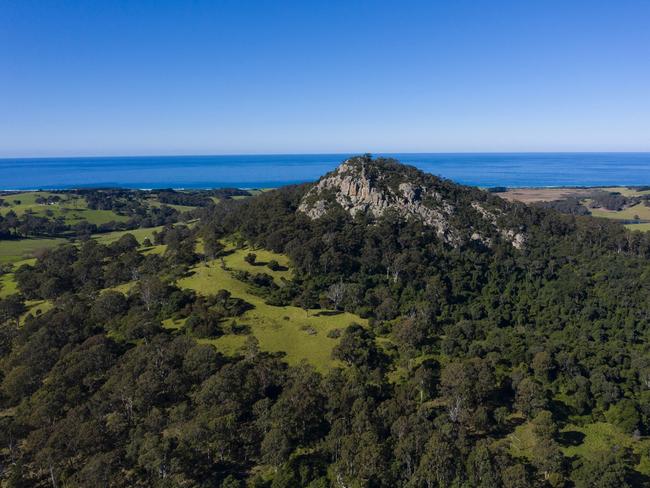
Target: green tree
{"x":530,"y":397}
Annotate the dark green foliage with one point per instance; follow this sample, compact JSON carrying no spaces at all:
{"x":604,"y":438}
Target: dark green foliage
{"x":11,"y":308}
{"x":358,"y":348}
{"x":571,"y":206}
{"x":608,"y":470}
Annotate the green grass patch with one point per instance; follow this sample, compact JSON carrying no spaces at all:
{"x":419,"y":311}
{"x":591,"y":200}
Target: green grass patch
{"x":139,"y":234}
{"x":8,"y":285}
{"x":584,"y":441}
{"x":181,"y":208}
{"x":19,"y":249}
{"x":27,"y":199}
{"x":639,"y":227}
{"x":626,"y":192}
{"x":71,"y":208}
{"x":630,"y":213}
{"x":123,"y":288}
{"x":36,"y":307}
{"x":236,"y":260}
{"x":301,"y":334}
{"x":523,"y":441}
{"x":603,"y":437}
{"x":175,"y":324}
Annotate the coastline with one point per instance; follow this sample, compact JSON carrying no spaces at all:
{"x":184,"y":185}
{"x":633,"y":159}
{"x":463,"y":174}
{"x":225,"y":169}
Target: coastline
{"x":250,"y":188}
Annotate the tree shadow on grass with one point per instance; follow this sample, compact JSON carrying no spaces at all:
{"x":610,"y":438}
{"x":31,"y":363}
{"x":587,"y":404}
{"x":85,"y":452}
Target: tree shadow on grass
{"x":561,"y":411}
{"x":266,"y":263}
{"x":328,"y":313}
{"x":639,"y":479}
{"x":571,"y":438}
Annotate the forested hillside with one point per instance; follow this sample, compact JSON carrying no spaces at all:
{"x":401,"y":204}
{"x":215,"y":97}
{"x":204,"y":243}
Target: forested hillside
{"x":379,"y":328}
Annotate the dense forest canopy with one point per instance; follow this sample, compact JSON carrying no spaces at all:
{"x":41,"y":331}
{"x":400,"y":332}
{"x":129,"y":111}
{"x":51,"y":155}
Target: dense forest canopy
{"x":492,"y":338}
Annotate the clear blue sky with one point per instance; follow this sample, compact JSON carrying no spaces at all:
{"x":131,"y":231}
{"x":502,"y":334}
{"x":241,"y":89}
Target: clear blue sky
{"x":221,"y":77}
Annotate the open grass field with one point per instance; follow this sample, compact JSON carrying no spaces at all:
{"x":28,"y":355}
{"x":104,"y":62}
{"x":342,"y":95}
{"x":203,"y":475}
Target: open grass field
{"x":139,"y":234}
{"x":235,"y":260}
{"x":629,"y":213}
{"x":181,"y":208}
{"x":584,"y":441}
{"x":36,"y":307}
{"x":21,"y":201}
{"x":639,"y":227}
{"x":7,"y":285}
{"x":534,"y":195}
{"x":522,"y":441}
{"x":17,"y":250}
{"x":627,"y":192}
{"x":301,"y":334}
{"x":72,"y":208}
{"x":602,"y":436}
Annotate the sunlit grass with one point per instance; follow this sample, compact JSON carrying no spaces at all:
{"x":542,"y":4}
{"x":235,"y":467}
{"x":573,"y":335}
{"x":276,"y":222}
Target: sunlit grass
{"x":19,"y":249}
{"x":301,"y":334}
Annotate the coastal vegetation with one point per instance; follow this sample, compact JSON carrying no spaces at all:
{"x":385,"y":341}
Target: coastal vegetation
{"x":380,"y":328}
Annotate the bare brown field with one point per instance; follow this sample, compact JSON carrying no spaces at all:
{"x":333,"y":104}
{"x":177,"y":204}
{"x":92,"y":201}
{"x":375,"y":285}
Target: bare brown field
{"x":532,"y":195}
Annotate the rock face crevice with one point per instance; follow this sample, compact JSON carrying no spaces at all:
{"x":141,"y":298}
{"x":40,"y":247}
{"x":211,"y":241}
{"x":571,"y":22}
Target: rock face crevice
{"x":360,"y":185}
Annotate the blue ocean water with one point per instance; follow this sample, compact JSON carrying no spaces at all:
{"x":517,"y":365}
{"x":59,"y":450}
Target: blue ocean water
{"x":265,"y":171}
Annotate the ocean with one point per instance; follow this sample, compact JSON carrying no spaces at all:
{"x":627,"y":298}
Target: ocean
{"x":267,"y":171}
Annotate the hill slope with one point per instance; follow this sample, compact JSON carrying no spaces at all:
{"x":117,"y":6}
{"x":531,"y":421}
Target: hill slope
{"x":361,"y":185}
{"x":473,"y":361}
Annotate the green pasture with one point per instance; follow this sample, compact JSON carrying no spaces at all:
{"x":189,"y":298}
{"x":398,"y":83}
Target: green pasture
{"x":301,"y":334}
{"x":19,"y":249}
{"x":72,"y":208}
{"x":626,"y":191}
{"x":629,"y":213}
{"x":139,"y":234}
{"x":640,"y":227}
{"x":584,"y":441}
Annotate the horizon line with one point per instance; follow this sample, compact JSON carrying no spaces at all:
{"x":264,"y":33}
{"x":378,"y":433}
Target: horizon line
{"x":350,"y":153}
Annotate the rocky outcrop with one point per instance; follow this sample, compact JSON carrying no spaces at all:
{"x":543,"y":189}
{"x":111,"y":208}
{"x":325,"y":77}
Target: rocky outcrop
{"x":358,"y":185}
{"x":354,"y":190}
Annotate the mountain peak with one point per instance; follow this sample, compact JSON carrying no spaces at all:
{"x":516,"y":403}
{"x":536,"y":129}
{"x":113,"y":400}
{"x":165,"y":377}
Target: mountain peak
{"x":377,"y":186}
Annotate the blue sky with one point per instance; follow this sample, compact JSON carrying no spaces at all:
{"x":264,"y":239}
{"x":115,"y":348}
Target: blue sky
{"x":225,"y":77}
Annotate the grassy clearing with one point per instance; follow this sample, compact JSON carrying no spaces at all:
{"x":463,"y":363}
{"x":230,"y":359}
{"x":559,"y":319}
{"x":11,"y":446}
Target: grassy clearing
{"x":301,"y":334}
{"x":96,"y":217}
{"x":139,"y":234}
{"x":602,"y":436}
{"x":584,"y":441}
{"x":626,"y":192}
{"x":640,"y":227}
{"x":71,"y":208}
{"x":124,"y":288}
{"x":236,"y":261}
{"x":522,"y":441}
{"x":7,"y":285}
{"x":19,"y":249}
{"x":629,"y":213}
{"x":181,"y":208}
{"x":27,"y":199}
{"x":36,"y":307}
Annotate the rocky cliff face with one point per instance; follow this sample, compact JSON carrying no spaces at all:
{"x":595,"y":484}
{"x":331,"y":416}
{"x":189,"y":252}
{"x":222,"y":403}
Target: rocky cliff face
{"x":361,"y":185}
